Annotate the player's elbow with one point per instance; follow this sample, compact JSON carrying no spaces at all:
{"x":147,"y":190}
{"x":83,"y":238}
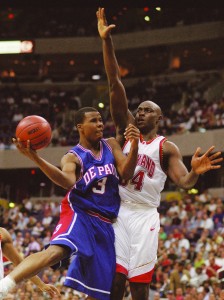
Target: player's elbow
{"x":185,"y":185}
{"x":67,"y":184}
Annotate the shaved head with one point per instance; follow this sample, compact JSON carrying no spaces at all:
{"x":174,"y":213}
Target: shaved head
{"x":153,"y":105}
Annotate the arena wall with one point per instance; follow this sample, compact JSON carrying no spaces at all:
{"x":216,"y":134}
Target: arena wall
{"x":157,"y":37}
{"x":10,"y":159}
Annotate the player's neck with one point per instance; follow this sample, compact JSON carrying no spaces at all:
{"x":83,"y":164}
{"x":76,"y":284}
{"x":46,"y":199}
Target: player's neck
{"x":149,"y":136}
{"x":93,"y":147}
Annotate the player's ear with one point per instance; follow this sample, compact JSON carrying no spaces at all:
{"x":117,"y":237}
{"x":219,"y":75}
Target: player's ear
{"x":79,"y":126}
{"x":160,"y":118}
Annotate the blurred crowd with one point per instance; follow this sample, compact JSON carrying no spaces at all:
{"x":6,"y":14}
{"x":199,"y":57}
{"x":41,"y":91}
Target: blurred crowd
{"x":191,"y":247}
{"x":188,"y":106}
{"x":67,"y":20}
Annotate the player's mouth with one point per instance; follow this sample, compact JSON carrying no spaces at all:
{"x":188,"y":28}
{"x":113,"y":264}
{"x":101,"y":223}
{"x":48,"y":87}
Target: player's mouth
{"x":140,"y":121}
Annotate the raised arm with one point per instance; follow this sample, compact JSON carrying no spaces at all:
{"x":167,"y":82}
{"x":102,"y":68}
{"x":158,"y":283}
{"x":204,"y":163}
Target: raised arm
{"x":10,"y":252}
{"x":64,"y":177}
{"x":178,"y":172}
{"x":118,"y":100}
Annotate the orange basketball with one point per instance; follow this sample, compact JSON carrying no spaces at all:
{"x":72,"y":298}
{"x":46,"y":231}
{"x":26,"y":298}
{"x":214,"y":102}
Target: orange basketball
{"x":36,"y":129}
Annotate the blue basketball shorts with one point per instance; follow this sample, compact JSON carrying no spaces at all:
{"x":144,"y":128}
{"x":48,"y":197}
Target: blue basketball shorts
{"x":90,"y":238}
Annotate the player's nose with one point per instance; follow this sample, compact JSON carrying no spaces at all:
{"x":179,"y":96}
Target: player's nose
{"x":100,"y":123}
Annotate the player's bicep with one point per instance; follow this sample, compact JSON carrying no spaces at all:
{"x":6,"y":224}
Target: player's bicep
{"x":176,"y":168}
{"x":69,"y":166}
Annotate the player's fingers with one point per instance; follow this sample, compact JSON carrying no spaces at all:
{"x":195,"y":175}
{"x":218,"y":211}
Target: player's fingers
{"x":55,"y":291}
{"x":101,"y":11}
{"x":132,"y":135}
{"x":215,"y":161}
{"x":215,"y":167}
{"x":98,"y":13}
{"x":130,"y":126}
{"x":209,"y":151}
{"x":213,"y":156}
{"x":130,"y":129}
{"x":18,"y":143}
{"x":111,"y":26}
{"x":197,"y":152}
{"x":28,"y":144}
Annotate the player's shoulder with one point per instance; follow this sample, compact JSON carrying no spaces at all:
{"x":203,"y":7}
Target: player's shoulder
{"x":170,"y":147}
{"x":111,"y":141}
{"x":70,"y":157}
{"x":118,"y":141}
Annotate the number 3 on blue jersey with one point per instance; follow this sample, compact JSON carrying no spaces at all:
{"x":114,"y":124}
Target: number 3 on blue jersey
{"x":100,"y":189}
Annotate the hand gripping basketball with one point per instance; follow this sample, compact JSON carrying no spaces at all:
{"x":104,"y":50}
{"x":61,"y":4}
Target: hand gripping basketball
{"x":36,"y":129}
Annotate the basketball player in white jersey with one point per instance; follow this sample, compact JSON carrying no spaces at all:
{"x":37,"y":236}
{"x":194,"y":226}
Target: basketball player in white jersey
{"x":7,"y":250}
{"x":137,"y":226}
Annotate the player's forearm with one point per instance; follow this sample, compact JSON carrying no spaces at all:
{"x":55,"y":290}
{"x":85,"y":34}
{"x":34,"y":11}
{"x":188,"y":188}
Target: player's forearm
{"x":110,"y":61}
{"x":38,"y":282}
{"x":189,"y":180}
{"x":130,"y":164}
{"x":118,"y":99}
{"x":54,"y":173}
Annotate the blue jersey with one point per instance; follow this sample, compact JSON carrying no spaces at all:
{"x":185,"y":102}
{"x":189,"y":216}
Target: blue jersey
{"x":97,"y":188}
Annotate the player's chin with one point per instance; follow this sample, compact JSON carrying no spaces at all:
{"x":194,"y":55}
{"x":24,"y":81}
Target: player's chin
{"x":99,"y":137}
{"x":140,"y":125}
{"x":99,"y":134}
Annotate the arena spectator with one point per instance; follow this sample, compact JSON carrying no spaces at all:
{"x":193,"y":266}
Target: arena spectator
{"x":199,"y":278}
{"x":37,"y":230}
{"x":33,"y":246}
{"x":212,"y":267}
{"x":47,"y":219}
{"x":176,"y":277}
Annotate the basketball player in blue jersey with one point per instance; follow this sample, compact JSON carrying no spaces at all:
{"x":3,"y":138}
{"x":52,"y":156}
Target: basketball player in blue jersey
{"x":137,"y":226}
{"x":90,"y":172}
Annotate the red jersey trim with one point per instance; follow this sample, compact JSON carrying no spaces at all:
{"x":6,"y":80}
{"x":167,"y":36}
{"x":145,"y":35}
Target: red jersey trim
{"x":125,"y":143}
{"x":121,"y":269}
{"x":148,"y":142}
{"x":161,"y":153}
{"x":5,"y":259}
{"x":143,"y":278}
{"x":94,"y":214}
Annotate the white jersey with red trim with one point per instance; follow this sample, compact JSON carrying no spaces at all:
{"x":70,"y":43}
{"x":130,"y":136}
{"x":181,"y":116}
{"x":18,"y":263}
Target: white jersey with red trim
{"x":1,"y":261}
{"x":149,"y":178}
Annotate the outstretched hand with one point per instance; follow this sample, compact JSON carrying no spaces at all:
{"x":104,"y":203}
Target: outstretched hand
{"x":206,"y":162}
{"x":103,"y":28}
{"x":50,"y":289}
